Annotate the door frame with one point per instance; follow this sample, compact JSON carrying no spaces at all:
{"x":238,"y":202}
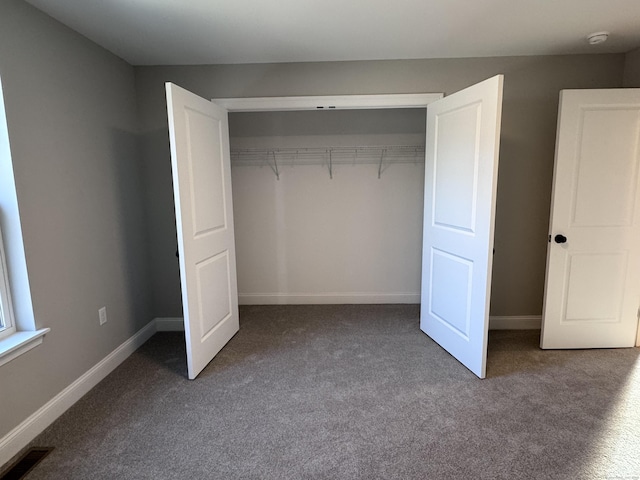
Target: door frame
{"x":328,"y":102}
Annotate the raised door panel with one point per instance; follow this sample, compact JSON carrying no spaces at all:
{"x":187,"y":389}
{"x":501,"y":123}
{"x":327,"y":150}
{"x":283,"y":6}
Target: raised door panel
{"x":206,"y":173}
{"x":450,"y":291}
{"x":214,"y":292}
{"x":606,"y":167}
{"x":456,"y":168}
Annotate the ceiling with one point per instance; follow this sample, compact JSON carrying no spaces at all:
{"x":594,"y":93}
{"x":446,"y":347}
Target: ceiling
{"x":180,"y":32}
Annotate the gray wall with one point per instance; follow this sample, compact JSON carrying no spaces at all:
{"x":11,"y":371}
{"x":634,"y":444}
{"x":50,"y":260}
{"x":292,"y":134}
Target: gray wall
{"x":632,"y":69}
{"x":71,"y":112}
{"x":532,"y":85}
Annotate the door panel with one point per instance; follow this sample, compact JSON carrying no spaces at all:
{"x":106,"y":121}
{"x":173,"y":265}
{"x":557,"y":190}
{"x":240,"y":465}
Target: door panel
{"x":592,"y":291}
{"x":214,"y":290}
{"x":456,"y":168}
{"x":450,"y":295}
{"x":594,"y":287}
{"x":609,"y":135}
{"x":200,"y":163}
{"x":461,"y":169}
{"x":206,"y":177}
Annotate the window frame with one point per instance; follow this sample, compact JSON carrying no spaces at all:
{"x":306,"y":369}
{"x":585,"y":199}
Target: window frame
{"x":7,"y":319}
{"x":20,"y":334}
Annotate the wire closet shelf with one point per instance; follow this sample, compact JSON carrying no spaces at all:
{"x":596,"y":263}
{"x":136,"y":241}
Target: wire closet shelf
{"x":275,"y":158}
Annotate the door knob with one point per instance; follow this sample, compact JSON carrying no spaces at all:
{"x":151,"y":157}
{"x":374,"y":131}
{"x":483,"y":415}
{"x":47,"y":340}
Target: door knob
{"x":560,"y":238}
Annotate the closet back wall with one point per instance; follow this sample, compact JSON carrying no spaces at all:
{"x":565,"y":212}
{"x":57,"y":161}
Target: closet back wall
{"x":309,"y":238}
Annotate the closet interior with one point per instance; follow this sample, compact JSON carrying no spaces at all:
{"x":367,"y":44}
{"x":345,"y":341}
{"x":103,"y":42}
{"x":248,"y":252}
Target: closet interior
{"x":328,"y":205}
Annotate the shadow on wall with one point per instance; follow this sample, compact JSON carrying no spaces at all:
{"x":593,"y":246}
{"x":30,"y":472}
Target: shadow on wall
{"x":164,"y":276}
{"x":130,"y":231}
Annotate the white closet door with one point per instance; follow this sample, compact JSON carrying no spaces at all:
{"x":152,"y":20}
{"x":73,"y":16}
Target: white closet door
{"x":200,"y":163}
{"x":592,"y":291}
{"x":461,"y":170}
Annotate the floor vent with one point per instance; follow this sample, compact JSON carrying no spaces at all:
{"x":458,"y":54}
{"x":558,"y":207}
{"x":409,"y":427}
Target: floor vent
{"x":26,"y":463}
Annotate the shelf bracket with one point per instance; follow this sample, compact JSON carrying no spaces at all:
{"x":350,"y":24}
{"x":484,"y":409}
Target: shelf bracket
{"x":384,"y":151}
{"x":275,"y":165}
{"x":330,"y":164}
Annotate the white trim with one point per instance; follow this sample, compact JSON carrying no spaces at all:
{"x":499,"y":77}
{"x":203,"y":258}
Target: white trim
{"x":20,"y":342}
{"x":517,"y":322}
{"x":169,"y":324}
{"x":261,"y":104}
{"x":21,"y":435}
{"x":15,"y":258}
{"x":247,"y":104}
{"x":326,"y":298}
{"x":7,"y":319}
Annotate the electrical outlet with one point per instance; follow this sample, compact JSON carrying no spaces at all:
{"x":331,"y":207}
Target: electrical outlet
{"x":102,"y":314}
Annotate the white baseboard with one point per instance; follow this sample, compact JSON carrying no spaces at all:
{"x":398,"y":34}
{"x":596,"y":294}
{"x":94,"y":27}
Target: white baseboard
{"x":20,"y":436}
{"x":521,"y":322}
{"x":326,"y":298}
{"x":169,"y":324}
{"x":517,"y":322}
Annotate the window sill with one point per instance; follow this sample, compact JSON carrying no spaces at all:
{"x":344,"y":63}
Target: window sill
{"x":21,"y":342}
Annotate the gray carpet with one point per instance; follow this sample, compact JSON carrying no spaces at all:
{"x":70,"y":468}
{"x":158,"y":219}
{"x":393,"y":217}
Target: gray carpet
{"x":353,"y":392}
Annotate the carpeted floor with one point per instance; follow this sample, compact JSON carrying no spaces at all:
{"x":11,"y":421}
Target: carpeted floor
{"x":353,"y":392}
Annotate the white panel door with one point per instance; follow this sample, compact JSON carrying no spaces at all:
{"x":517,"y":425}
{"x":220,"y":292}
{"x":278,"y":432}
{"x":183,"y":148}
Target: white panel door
{"x":461,"y":171}
{"x":200,"y":162}
{"x":592,"y":290}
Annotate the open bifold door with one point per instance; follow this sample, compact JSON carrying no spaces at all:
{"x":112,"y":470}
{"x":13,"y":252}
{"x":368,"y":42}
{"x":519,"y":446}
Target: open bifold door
{"x":463,"y":133}
{"x":200,"y":163}
{"x":461,"y":171}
